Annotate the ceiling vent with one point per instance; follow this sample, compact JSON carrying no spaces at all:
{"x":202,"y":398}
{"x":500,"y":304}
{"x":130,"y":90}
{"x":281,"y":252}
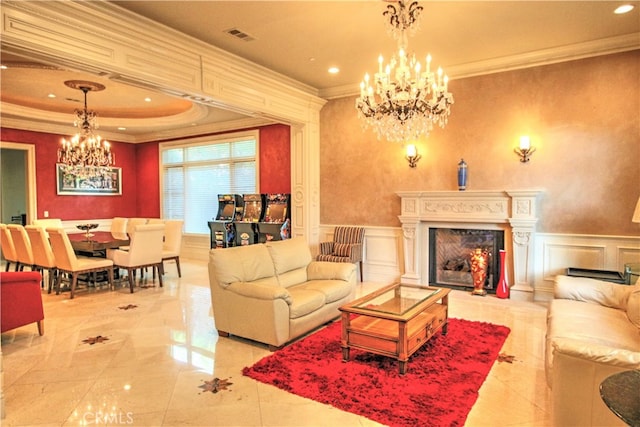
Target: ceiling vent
{"x":234,"y":32}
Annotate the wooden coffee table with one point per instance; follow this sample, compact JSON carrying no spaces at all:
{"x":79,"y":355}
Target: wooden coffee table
{"x":394,"y":321}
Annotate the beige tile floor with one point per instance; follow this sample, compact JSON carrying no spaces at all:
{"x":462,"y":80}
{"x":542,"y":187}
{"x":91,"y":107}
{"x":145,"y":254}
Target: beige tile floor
{"x":157,"y":355}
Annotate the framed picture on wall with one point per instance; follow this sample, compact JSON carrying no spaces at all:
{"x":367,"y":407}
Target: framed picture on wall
{"x":88,"y":181}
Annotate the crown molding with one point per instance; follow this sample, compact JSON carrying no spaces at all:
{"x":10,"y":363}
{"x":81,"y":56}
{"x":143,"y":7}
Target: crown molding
{"x":538,"y":58}
{"x":186,"y":132}
{"x":211,"y":128}
{"x":57,"y":128}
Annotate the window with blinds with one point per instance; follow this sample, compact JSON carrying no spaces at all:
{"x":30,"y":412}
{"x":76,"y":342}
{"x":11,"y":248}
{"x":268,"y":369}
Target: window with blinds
{"x":194,"y":172}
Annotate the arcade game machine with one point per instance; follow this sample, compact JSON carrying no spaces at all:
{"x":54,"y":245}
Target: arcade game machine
{"x":247,"y":228}
{"x":276,"y":224}
{"x":222,"y":228}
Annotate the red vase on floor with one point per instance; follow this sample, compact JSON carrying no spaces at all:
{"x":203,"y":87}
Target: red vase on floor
{"x":502,"y":290}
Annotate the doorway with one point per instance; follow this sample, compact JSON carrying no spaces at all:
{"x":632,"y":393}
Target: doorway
{"x":17,"y":193}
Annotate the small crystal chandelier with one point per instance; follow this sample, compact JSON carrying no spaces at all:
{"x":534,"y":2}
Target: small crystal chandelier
{"x":85,"y":150}
{"x":405,"y":100}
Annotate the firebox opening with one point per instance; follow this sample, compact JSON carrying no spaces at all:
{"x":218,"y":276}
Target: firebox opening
{"x":449,"y":256}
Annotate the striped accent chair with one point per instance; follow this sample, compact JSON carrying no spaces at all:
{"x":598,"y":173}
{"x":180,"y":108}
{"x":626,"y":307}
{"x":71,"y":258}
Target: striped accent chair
{"x":347,"y":246}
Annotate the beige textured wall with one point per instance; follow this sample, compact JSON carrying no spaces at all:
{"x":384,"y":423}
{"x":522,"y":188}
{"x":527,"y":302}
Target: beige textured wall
{"x":582,"y":116}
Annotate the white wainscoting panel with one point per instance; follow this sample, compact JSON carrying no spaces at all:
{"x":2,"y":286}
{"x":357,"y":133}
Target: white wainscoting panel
{"x":554,"y":253}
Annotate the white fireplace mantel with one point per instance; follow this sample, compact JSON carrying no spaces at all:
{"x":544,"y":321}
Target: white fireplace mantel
{"x":514,"y":211}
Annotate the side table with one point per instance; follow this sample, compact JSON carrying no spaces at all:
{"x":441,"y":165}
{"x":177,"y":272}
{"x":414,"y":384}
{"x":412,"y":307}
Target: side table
{"x":620,"y":393}
{"x":632,"y":272}
{"x":606,"y":275}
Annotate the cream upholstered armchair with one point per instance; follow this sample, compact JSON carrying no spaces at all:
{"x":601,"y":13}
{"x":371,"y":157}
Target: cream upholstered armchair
{"x":347,"y":246}
{"x":172,"y":242}
{"x":68,"y":262}
{"x":145,"y":250}
{"x":8,"y":248}
{"x":118,"y":226}
{"x":48,"y":223}
{"x":43,"y":256}
{"x":23,"y":246}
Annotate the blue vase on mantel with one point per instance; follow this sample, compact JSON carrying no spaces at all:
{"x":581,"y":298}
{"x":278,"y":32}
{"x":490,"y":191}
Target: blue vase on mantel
{"x":462,"y":175}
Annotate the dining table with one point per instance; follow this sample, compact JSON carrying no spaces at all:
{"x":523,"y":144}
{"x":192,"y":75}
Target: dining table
{"x":97,"y":241}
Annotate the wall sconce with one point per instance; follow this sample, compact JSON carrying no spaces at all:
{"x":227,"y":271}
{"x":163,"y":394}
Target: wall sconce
{"x":525,"y":149}
{"x":412,"y":155}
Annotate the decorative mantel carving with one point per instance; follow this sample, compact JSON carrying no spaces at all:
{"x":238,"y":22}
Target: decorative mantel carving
{"x":514,"y":211}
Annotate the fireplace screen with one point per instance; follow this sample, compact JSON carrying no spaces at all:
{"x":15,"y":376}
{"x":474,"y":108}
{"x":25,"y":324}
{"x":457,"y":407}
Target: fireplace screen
{"x":449,"y":256}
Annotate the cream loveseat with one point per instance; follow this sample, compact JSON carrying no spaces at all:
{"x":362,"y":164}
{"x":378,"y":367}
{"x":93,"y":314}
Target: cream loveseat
{"x":593,"y":331}
{"x":274,"y":292}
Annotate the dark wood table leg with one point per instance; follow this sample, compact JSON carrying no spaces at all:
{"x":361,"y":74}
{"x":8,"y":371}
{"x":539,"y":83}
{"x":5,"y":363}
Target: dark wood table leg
{"x":402,"y":366}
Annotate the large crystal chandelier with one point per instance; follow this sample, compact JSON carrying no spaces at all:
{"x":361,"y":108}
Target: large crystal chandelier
{"x":85,"y":151}
{"x":404,"y":101}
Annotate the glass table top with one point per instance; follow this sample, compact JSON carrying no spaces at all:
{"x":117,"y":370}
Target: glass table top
{"x":397,"y":300}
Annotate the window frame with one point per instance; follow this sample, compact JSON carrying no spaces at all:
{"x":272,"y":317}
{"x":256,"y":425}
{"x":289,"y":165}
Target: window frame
{"x":202,"y":141}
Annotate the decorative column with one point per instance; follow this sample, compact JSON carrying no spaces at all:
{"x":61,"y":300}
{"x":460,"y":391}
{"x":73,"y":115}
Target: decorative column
{"x":523,"y":221}
{"x":412,"y":253}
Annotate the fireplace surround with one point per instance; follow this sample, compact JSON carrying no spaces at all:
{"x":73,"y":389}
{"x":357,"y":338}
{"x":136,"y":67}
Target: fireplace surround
{"x":512,"y":211}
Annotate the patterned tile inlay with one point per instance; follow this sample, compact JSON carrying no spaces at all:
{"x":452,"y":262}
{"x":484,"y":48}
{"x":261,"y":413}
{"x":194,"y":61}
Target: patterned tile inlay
{"x":504,"y":357}
{"x":93,"y":340}
{"x":215,"y":385}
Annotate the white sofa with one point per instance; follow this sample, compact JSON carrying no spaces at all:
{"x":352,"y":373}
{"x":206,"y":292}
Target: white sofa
{"x":274,"y":292}
{"x":593,"y":331}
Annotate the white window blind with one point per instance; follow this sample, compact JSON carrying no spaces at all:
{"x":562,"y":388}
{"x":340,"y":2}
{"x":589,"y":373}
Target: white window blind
{"x":195,"y":172}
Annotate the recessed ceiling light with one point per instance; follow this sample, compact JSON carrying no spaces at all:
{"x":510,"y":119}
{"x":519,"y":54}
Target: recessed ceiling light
{"x":121,"y":128}
{"x":623,"y":9}
{"x":3,"y":67}
{"x":51,"y":95}
{"x":147,"y":99}
{"x":334,"y":70}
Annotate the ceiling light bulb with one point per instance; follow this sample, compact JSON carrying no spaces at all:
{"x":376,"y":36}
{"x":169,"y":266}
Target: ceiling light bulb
{"x":623,"y":9}
{"x":147,"y":99}
{"x":334,"y":70}
{"x":51,"y":95}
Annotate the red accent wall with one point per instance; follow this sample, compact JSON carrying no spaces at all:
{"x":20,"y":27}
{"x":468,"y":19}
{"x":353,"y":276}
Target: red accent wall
{"x":77,"y":207}
{"x":148,"y":180}
{"x":275,"y":159}
{"x":140,"y":175}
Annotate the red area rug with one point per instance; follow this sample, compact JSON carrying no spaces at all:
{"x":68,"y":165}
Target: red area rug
{"x":439,"y":389}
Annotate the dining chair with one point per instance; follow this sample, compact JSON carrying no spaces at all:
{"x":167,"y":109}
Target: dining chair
{"x":132,"y":223}
{"x":43,"y":257}
{"x":172,"y":242}
{"x":8,"y":248}
{"x":48,"y":222}
{"x":119,"y":225}
{"x":347,"y":246}
{"x":145,"y":250}
{"x":68,"y":262}
{"x":23,"y":246}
